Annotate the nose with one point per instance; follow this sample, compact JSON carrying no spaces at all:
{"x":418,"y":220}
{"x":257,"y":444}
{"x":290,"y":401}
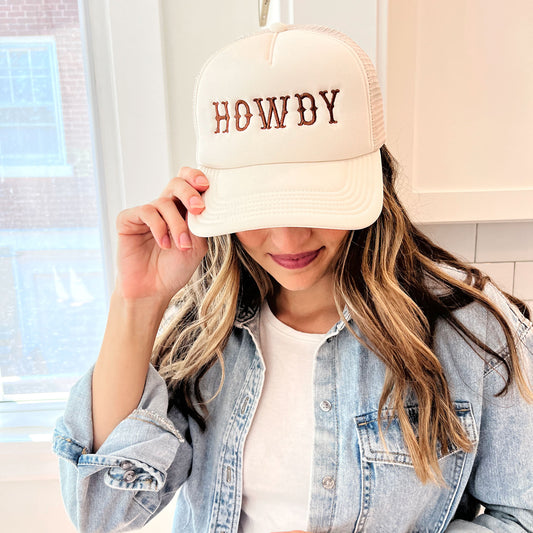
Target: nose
{"x":290,"y":240}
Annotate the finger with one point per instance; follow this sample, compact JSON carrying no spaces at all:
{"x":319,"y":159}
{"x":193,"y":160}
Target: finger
{"x":188,"y":196}
{"x":129,"y":222}
{"x":176,"y":225}
{"x":188,"y":189}
{"x":194,"y":177}
{"x":151,"y":216}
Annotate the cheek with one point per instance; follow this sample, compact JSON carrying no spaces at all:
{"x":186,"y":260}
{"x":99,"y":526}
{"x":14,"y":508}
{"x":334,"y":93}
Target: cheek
{"x":251,"y":239}
{"x":335,"y":237}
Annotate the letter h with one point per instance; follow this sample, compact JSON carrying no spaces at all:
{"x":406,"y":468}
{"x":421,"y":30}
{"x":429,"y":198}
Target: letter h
{"x":220,"y":117}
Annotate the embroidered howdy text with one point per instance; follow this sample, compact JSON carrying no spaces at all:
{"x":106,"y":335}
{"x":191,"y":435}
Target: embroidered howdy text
{"x":272,"y":112}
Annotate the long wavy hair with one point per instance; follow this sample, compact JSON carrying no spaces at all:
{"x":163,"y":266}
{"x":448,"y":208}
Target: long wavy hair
{"x":381,"y":274}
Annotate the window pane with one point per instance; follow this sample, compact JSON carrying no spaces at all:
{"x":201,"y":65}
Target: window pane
{"x":22,"y":93}
{"x":40,"y":59}
{"x":19,"y":62}
{"x":3,"y":62}
{"x":42,"y":89}
{"x":51,"y":267}
{"x":5,"y":91}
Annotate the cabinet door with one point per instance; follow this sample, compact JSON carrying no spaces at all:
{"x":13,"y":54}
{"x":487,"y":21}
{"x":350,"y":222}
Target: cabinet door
{"x":460,"y":108}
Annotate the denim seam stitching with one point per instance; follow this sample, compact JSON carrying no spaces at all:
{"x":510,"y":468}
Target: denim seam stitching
{"x":150,"y":513}
{"x":219,"y":483}
{"x":240,"y":442}
{"x":335,"y":380}
{"x":157,"y":421}
{"x":64,"y":455}
{"x":522,"y":330}
{"x":85,"y":450}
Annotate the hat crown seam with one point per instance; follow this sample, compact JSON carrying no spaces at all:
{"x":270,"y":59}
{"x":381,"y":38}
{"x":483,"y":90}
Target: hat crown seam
{"x":272,"y":46}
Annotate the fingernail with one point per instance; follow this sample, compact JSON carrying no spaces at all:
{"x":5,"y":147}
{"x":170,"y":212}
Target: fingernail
{"x":201,"y":180}
{"x":196,"y":201}
{"x":165,"y":241}
{"x":185,"y":240}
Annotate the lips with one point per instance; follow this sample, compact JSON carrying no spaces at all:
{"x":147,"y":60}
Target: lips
{"x":293,"y":261}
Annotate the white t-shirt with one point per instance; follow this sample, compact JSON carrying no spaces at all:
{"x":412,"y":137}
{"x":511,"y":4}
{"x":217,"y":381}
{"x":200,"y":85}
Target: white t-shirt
{"x":278,"y":451}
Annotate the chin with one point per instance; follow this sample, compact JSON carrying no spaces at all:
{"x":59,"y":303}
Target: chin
{"x":296,"y":285}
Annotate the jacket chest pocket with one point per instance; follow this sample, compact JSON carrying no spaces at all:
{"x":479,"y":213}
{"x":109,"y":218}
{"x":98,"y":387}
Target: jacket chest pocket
{"x":373,"y":448}
{"x":391,"y":487}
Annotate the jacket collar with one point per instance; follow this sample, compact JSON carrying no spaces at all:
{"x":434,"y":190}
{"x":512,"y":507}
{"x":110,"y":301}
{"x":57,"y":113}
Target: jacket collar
{"x":247,"y":312}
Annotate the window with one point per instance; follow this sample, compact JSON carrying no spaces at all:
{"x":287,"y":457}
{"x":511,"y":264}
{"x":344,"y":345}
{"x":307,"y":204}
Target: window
{"x":31,"y":129}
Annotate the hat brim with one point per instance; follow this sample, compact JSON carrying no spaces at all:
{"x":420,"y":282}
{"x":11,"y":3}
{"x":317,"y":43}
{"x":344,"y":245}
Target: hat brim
{"x":345,"y":194}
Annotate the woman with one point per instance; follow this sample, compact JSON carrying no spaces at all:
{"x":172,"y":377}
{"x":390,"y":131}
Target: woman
{"x":313,"y":371}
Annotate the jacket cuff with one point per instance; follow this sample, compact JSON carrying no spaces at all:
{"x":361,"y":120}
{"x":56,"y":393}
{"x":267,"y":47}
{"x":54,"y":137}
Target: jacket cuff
{"x":137,"y":453}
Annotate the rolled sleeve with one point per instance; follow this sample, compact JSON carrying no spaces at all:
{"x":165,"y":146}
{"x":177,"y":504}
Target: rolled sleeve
{"x":137,"y":469}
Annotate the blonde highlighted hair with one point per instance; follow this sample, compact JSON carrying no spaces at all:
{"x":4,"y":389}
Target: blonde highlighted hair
{"x":381,"y":274}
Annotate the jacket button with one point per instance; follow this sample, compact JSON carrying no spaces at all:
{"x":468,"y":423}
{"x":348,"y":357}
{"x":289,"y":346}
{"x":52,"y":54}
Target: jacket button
{"x":126,"y":465}
{"x":325,"y":405}
{"x":328,"y":482}
{"x":130,"y":476}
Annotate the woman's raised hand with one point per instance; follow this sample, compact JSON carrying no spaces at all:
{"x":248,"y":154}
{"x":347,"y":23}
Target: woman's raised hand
{"x":157,"y":254}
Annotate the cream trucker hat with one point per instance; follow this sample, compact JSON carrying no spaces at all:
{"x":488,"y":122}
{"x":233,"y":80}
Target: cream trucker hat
{"x":289,"y":123}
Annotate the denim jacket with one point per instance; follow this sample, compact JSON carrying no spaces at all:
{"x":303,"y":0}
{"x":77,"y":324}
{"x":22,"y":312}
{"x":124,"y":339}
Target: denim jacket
{"x":356,"y":484}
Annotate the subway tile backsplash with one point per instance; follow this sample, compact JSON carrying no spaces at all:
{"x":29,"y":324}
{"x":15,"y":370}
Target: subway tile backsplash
{"x":501,"y":273}
{"x":458,"y":238}
{"x":508,"y":241}
{"x":523,"y":280}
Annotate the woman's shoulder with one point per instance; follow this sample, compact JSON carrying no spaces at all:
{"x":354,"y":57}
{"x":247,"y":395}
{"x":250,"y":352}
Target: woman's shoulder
{"x":480,"y":318}
{"x":491,"y":291}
